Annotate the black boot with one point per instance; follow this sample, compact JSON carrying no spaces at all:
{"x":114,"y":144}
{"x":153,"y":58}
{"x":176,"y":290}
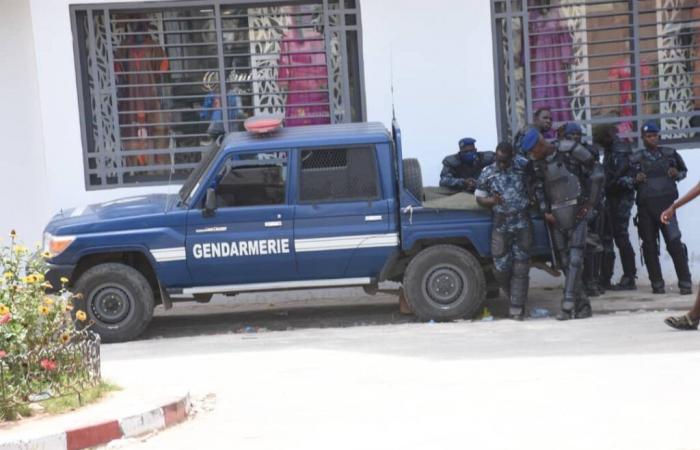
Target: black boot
{"x":626,"y":283}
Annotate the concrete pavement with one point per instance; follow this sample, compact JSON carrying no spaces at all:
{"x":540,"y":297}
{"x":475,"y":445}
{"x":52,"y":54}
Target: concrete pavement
{"x":622,"y":380}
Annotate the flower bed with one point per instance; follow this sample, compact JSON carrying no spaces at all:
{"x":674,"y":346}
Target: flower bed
{"x":46,"y":349}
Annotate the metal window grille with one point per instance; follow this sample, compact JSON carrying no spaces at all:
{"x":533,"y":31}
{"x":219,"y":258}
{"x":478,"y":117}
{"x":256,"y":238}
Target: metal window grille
{"x":621,"y":62}
{"x":338,"y":174}
{"x":156,"y":80}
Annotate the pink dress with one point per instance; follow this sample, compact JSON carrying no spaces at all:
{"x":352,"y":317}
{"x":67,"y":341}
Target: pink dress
{"x":303,"y":73}
{"x":550,"y":55}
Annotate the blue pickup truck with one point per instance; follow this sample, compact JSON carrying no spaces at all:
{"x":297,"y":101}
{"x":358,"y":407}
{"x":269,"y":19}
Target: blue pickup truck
{"x":298,"y":208}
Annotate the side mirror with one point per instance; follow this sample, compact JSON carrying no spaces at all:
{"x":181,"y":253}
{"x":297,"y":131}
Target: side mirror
{"x":210,"y":203}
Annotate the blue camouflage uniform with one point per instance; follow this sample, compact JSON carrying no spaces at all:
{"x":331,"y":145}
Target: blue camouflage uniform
{"x":511,"y":236}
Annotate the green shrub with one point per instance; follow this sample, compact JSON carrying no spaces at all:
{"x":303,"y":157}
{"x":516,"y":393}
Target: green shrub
{"x":45,"y":348}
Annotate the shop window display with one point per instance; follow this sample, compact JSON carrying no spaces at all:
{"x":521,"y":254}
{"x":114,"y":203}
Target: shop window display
{"x":593,"y":62}
{"x":157,"y":85}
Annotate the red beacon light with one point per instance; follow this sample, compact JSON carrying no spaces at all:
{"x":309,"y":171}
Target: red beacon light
{"x":263,"y":124}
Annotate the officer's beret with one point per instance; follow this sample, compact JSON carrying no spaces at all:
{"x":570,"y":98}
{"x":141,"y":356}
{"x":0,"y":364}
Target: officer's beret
{"x":466,"y":141}
{"x":573,"y":128}
{"x":650,"y":127}
{"x":530,"y":138}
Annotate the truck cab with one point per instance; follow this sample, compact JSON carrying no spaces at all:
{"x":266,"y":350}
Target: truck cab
{"x":295,"y":208}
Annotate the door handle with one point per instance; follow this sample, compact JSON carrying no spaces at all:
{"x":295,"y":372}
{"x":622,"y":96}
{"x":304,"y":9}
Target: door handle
{"x":373,"y":218}
{"x":273,"y":224}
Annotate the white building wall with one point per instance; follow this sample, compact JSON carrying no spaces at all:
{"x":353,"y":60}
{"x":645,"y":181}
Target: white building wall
{"x":23,"y":177}
{"x":442,"y":75}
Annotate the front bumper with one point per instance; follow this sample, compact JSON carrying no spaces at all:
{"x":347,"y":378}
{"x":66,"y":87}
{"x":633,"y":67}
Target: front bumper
{"x":56,"y":272}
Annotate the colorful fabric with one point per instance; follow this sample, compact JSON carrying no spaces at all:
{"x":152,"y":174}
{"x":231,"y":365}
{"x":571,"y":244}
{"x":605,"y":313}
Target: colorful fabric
{"x":550,"y":56}
{"x":303,"y":74}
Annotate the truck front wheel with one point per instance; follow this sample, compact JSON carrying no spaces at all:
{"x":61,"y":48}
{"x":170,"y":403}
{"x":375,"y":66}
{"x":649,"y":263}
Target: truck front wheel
{"x":118,"y":300}
{"x":444,"y":282}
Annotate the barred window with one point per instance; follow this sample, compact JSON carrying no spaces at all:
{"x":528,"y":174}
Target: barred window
{"x":157,"y":82}
{"x":621,"y":62}
{"x":338,"y":174}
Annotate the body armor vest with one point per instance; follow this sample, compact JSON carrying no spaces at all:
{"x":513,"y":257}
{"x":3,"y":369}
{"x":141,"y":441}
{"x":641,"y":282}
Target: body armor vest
{"x":658,"y":183}
{"x":563,"y":186}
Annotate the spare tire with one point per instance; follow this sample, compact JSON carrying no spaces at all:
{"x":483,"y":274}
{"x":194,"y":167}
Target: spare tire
{"x":413,"y":178}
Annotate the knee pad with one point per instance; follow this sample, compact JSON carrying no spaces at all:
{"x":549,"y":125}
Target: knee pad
{"x":521,"y":268}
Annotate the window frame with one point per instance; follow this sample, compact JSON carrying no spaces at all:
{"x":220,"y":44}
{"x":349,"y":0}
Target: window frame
{"x":353,"y":147}
{"x":507,"y":119}
{"x":285,"y":163}
{"x":98,"y":177}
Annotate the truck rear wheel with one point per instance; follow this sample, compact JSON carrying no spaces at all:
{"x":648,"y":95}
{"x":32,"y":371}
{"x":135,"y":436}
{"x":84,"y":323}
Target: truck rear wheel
{"x":444,"y":282}
{"x":118,"y":301}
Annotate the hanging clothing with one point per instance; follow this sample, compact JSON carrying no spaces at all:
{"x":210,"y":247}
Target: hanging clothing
{"x":304,"y":75}
{"x":550,"y":56}
{"x":142,"y":67}
{"x":622,"y":71}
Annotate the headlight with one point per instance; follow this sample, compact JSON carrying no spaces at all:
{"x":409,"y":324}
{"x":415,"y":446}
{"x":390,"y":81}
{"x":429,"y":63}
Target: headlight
{"x":55,"y":245}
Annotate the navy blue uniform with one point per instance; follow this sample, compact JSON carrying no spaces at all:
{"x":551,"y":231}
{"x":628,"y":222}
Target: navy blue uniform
{"x":654,"y":195}
{"x":455,"y":172}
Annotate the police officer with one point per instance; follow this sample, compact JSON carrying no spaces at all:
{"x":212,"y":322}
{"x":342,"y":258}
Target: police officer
{"x":569,"y":185}
{"x":657,"y":170}
{"x":541,"y":121}
{"x":594,"y":248}
{"x":503,"y":186}
{"x":460,"y":171}
{"x":619,"y":200}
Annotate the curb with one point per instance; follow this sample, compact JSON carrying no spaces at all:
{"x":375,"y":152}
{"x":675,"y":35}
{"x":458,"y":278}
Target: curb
{"x":105,"y":432}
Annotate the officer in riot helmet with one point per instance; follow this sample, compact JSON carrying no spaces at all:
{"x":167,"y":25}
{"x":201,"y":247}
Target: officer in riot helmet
{"x":619,"y":200}
{"x":594,"y":248}
{"x":657,"y":170}
{"x":460,"y":171}
{"x":569,"y":183}
{"x":504,"y":187}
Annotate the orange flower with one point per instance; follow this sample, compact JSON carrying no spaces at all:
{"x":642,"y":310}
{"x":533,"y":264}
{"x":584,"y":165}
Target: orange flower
{"x":81,"y":316}
{"x":44,"y":310}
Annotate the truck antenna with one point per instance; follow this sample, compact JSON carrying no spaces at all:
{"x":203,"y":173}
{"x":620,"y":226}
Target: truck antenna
{"x":391,"y":74}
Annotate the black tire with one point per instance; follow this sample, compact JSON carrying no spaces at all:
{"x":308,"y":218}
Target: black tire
{"x":413,"y":178}
{"x":444,"y":282}
{"x":118,"y":300}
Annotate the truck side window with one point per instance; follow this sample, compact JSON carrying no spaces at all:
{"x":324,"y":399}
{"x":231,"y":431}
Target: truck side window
{"x":253,"y":185}
{"x":338,"y":174}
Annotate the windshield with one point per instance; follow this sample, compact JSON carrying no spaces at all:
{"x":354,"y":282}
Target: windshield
{"x":208,"y":156}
